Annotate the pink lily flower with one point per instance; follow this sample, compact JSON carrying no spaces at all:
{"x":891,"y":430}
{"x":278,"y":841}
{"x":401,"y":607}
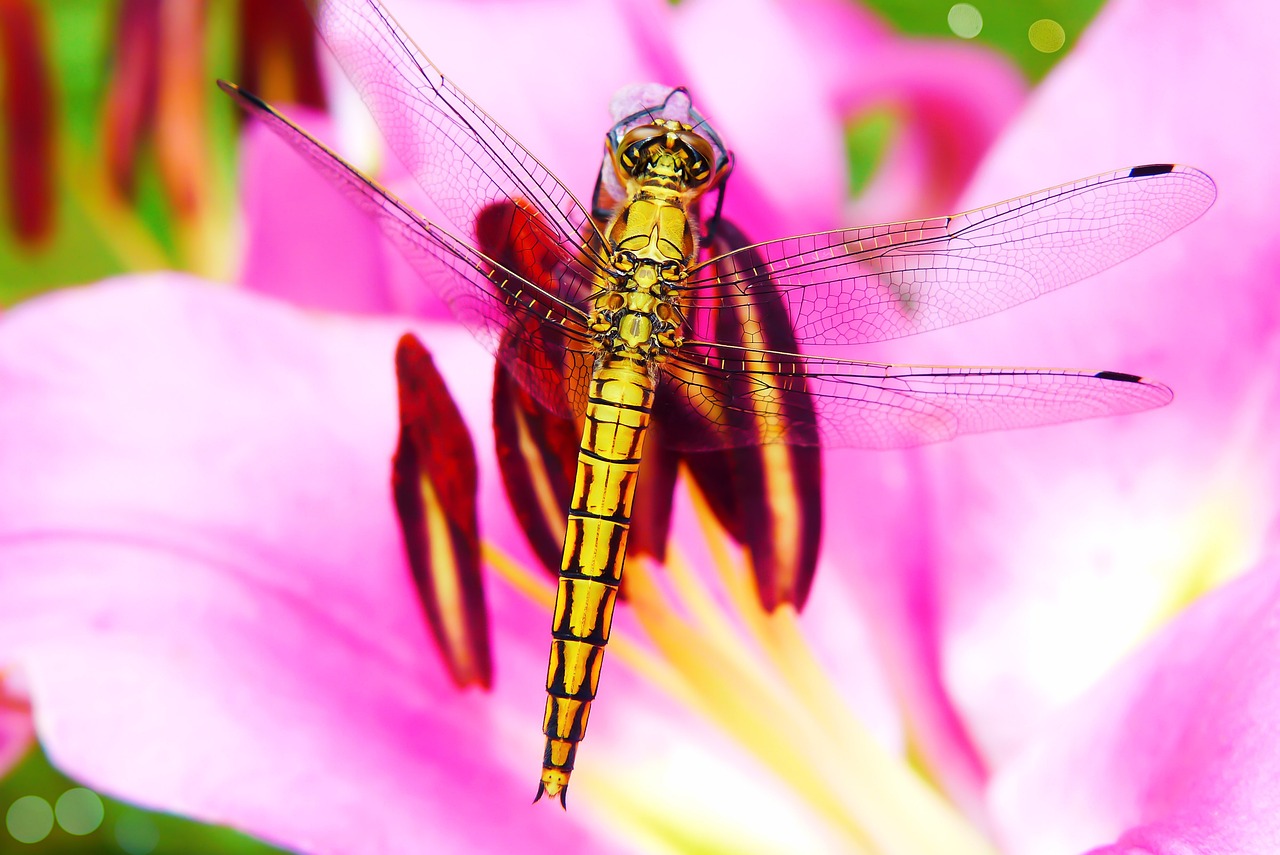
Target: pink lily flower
{"x":175,"y":407}
{"x":194,"y":473}
{"x":1036,"y":619}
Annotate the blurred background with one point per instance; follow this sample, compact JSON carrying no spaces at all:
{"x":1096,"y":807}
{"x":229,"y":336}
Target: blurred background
{"x":118,"y":154}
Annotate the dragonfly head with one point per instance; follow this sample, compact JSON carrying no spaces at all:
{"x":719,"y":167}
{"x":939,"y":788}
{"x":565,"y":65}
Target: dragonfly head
{"x":669,"y":153}
{"x":659,"y":137}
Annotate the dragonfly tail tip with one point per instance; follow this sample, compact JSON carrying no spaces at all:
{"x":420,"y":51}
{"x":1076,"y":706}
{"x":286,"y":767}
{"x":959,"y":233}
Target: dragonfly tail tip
{"x":557,"y":786}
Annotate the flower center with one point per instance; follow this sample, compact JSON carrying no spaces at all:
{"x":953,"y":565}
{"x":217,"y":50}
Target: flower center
{"x":709,"y":646}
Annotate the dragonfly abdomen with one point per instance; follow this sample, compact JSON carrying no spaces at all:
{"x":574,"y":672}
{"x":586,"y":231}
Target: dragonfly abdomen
{"x":617,"y":417}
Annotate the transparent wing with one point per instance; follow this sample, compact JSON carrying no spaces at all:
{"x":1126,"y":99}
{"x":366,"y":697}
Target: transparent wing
{"x":460,"y":156}
{"x":724,"y":396}
{"x":541,"y":338}
{"x":881,"y":282}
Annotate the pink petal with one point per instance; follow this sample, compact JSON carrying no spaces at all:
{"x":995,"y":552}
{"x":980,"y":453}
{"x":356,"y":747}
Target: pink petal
{"x":1105,"y":526}
{"x":1036,"y":559}
{"x":202,"y":586}
{"x":304,"y":242}
{"x":554,"y":101}
{"x":952,"y":98}
{"x":756,"y":85}
{"x":879,"y":540}
{"x":1175,"y":751}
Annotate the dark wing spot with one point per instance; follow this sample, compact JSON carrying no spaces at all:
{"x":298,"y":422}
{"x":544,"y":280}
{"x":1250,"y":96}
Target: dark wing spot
{"x":1118,"y":375}
{"x":1151,"y":169}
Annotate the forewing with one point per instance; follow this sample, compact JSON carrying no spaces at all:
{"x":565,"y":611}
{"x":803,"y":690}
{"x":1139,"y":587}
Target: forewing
{"x":460,"y":156}
{"x":514,"y":318}
{"x":881,"y":282}
{"x":747,"y":396}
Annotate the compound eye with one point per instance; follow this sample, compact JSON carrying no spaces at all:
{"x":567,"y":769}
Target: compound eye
{"x":633,"y":152}
{"x":700,"y":159}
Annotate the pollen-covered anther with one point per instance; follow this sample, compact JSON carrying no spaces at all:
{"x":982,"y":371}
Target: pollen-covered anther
{"x":434,"y":483}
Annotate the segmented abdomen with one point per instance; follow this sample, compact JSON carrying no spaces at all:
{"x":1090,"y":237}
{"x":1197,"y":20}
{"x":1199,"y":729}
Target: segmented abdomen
{"x":618,"y":408}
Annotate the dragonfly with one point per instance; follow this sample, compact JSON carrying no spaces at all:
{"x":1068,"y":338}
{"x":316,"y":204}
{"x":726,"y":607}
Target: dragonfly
{"x":597,"y":311}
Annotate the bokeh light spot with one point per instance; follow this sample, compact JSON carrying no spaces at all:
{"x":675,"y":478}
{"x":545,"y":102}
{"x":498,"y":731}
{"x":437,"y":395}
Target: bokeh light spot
{"x":1047,"y":35}
{"x":79,"y":811}
{"x":964,"y":20}
{"x":137,"y":833}
{"x":29,"y":820}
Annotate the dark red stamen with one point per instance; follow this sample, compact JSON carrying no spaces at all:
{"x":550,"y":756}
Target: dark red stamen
{"x":131,"y":91}
{"x":771,"y":499}
{"x":537,"y":456}
{"x":278,"y":59}
{"x":434,"y":482}
{"x":28,"y":122}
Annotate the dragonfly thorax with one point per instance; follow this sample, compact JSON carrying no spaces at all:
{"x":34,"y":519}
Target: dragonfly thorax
{"x":639,"y":315}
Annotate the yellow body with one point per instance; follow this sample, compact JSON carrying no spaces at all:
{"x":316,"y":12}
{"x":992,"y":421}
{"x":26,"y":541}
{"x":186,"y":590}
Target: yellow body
{"x":637,"y":318}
